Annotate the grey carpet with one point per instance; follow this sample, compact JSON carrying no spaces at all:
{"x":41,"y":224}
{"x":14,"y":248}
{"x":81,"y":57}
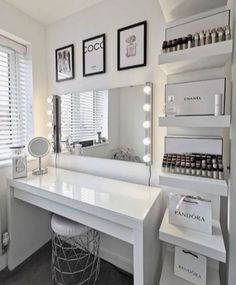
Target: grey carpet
{"x":36,"y":271}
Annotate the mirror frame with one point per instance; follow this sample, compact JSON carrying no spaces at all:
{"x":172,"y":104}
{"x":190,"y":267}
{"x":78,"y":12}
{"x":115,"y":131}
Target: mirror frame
{"x":55,"y":102}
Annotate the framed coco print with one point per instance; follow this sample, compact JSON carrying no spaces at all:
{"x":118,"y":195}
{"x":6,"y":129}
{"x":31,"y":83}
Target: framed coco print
{"x":94,"y":55}
{"x":65,"y":63}
{"x":132,"y":50}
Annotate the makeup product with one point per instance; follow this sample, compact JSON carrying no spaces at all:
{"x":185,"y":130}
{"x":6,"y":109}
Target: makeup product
{"x":170,"y":46}
{"x":204,"y":171}
{"x":218,"y":104}
{"x":220,"y":33}
{"x":215,"y":171}
{"x":164,"y":47}
{"x":185,"y":43}
{"x":213,"y":36}
{"x":209,"y":171}
{"x":179,"y":44}
{"x":202,"y":38}
{"x":227,"y":33}
{"x":221,"y":172}
{"x":208,"y":37}
{"x":196,"y":40}
{"x":198,"y":170}
{"x":174,"y":45}
{"x":190,"y":39}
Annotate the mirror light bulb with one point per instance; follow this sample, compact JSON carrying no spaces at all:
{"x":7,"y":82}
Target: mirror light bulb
{"x":49,"y":100}
{"x":147,"y":89}
{"x":147,"y":158}
{"x":146,"y":124}
{"x":49,"y":112}
{"x":147,"y":141}
{"x":50,"y":124}
{"x":147,"y":107}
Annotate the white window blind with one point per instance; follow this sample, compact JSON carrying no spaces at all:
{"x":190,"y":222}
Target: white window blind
{"x":84,"y":114}
{"x":16,"y":126}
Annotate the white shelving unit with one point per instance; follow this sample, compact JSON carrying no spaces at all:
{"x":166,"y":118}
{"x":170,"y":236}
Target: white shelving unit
{"x":195,"y":121}
{"x":209,"y":245}
{"x":169,"y":278}
{"x":208,"y":57}
{"x":202,"y":57}
{"x":194,"y":184}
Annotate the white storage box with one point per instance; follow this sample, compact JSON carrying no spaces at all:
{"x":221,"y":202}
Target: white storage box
{"x":188,"y":144}
{"x":196,"y":98}
{"x":190,"y":212}
{"x":191,"y":27}
{"x":190,"y":266}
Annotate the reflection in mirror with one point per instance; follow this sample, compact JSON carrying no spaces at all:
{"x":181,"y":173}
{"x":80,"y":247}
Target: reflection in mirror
{"x":110,"y":123}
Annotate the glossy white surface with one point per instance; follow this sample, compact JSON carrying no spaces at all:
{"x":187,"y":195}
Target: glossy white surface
{"x":122,"y":198}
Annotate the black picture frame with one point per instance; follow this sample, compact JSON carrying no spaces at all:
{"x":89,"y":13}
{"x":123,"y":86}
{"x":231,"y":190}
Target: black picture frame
{"x":70,"y":73}
{"x":96,"y":46}
{"x":144,"y":61}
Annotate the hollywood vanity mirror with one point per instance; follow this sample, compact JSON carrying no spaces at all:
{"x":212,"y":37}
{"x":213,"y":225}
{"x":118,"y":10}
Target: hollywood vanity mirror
{"x":109,"y":123}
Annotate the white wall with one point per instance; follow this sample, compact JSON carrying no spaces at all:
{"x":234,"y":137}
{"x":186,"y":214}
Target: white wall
{"x":107,"y":17}
{"x":18,"y":24}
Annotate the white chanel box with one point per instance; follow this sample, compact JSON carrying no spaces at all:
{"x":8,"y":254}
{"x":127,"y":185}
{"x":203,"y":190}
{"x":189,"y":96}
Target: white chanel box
{"x":190,"y":212}
{"x":190,"y":266}
{"x":189,"y":144}
{"x":19,"y":167}
{"x":196,"y":98}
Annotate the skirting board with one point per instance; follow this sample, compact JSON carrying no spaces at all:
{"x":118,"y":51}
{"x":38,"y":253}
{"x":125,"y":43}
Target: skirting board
{"x":3,"y":261}
{"x":118,"y":260}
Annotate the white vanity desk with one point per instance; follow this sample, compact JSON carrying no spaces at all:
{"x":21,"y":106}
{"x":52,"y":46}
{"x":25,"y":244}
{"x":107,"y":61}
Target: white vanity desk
{"x":127,"y":211}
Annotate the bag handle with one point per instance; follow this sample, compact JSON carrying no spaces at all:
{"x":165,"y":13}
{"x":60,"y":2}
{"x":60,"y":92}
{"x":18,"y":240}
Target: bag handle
{"x":189,"y":252}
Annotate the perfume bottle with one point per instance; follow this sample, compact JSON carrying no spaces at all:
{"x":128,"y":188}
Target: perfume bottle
{"x":19,"y":162}
{"x":169,"y":108}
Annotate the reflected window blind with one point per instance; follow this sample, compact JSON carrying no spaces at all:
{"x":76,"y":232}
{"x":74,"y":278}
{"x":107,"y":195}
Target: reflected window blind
{"x":84,"y":114}
{"x":16,"y":126}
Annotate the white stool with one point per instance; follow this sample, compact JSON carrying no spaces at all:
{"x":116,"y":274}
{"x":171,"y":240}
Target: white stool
{"x":75,"y":253}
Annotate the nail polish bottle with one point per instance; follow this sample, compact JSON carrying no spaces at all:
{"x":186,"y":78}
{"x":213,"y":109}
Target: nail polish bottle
{"x":215,"y":171}
{"x":198,"y":170}
{"x":164,"y":47}
{"x":193,"y":168}
{"x":208,"y":37}
{"x":213,"y":36}
{"x":202,"y":38}
{"x":209,"y":171}
{"x":190,"y":40}
{"x":185,"y":43}
{"x":174,"y":45}
{"x":220,"y":33}
{"x":196,"y":40}
{"x":204,"y":170}
{"x":227,"y":33}
{"x":221,"y":172}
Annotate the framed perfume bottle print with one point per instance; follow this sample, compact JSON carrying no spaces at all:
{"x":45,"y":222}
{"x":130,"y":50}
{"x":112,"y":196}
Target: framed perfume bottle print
{"x":65,"y":63}
{"x":94,"y":52}
{"x":132,"y":46}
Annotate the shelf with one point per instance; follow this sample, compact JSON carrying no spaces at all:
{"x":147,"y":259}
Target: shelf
{"x":169,"y":278}
{"x":195,"y":184}
{"x":195,"y":121}
{"x":208,"y":245}
{"x":203,"y":57}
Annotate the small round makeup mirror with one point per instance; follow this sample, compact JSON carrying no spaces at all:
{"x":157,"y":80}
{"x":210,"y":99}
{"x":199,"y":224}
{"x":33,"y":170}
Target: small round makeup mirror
{"x":39,"y":147}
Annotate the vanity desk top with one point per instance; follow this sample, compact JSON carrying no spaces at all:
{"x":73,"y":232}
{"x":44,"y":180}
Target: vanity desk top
{"x":107,"y":198}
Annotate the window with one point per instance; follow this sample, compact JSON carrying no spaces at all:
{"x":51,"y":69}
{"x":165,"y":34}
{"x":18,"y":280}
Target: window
{"x":15,"y":98}
{"x":84,"y":115}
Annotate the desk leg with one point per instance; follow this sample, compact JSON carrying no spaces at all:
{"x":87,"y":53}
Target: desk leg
{"x":138,"y":258}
